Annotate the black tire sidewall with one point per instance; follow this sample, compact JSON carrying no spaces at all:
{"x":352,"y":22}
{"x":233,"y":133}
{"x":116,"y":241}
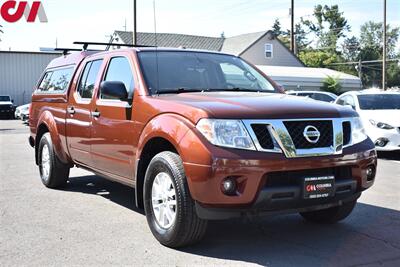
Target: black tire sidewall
{"x":46,"y":140}
{"x":157,"y":165}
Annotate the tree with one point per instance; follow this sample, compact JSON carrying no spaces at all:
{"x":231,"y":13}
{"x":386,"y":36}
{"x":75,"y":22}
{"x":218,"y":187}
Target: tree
{"x":351,"y":49}
{"x":371,"y":48}
{"x":277,"y":28}
{"x":329,"y":27}
{"x":371,"y":37}
{"x":317,"y":59}
{"x":331,"y":84}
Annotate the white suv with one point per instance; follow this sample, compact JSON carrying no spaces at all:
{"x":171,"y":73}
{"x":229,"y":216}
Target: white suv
{"x":380,"y":114}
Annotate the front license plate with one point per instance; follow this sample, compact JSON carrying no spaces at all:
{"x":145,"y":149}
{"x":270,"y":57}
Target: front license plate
{"x":319,"y":187}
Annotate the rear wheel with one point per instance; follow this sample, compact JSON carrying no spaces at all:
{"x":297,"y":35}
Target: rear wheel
{"x":170,"y":210}
{"x":53,"y":172}
{"x":331,"y":215}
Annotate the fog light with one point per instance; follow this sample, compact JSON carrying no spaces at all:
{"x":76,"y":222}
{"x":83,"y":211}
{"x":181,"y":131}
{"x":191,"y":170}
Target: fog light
{"x":370,"y":172}
{"x":381,"y":142}
{"x":229,"y":186}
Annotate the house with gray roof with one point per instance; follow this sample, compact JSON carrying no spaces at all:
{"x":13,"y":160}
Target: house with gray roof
{"x":260,"y":48}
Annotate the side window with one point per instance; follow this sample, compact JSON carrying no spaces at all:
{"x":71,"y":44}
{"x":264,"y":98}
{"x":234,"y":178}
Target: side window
{"x":56,"y":81}
{"x":88,"y":79}
{"x":346,"y":101}
{"x":269,"y":51}
{"x":44,"y":85}
{"x":119,"y":69}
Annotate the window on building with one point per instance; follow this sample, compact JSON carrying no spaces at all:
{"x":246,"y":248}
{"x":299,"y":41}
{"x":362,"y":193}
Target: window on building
{"x":88,"y":79}
{"x":120,"y":70}
{"x":269,"y":50}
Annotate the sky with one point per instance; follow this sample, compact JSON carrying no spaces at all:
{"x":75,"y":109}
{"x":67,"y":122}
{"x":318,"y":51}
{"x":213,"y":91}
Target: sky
{"x":87,"y":20}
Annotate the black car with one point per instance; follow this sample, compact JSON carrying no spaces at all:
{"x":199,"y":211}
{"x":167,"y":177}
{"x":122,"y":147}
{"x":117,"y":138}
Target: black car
{"x":7,"y":107}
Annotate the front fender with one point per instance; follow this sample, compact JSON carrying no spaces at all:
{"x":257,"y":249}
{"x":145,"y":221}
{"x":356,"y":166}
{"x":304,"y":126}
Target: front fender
{"x":47,"y":119}
{"x":171,"y":127}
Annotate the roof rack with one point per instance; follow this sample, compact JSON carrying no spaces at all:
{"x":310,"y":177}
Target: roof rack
{"x":86,"y":45}
{"x":66,"y":50}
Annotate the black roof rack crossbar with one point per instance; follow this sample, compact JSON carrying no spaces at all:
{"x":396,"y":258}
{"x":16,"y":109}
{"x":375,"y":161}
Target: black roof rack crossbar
{"x":86,"y":44}
{"x":66,"y":50}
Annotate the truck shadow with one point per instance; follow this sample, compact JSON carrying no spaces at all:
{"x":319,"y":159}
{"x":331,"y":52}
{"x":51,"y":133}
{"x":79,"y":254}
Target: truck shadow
{"x":369,"y":236}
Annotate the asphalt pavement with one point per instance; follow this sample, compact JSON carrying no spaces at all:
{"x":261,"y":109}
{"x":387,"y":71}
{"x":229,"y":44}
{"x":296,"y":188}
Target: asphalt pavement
{"x":94,"y":222}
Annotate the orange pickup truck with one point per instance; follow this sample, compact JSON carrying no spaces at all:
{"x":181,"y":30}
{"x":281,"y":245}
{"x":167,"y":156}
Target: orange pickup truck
{"x":200,"y":136}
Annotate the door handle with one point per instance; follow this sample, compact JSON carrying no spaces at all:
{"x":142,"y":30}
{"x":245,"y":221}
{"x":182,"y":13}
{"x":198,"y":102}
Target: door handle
{"x":96,"y":113}
{"x":71,"y":110}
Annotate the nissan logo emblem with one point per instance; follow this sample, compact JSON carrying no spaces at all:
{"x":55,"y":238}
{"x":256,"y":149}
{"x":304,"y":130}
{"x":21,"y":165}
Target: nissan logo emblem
{"x":311,"y":134}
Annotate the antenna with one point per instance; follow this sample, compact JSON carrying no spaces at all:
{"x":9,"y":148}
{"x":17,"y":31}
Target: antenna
{"x":155,"y":42}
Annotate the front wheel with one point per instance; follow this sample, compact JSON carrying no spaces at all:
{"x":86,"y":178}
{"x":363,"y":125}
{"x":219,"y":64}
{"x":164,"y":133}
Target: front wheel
{"x":53,"y":172}
{"x":331,"y":215}
{"x":169,"y":208}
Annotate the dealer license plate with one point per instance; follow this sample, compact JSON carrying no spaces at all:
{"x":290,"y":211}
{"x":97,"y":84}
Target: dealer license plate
{"x":319,"y":187}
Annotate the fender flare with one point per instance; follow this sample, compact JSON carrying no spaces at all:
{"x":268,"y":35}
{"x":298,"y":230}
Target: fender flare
{"x":171,"y":127}
{"x":47,"y":119}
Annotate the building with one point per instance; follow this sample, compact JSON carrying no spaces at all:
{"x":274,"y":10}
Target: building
{"x":261,"y":48}
{"x":20,"y":71}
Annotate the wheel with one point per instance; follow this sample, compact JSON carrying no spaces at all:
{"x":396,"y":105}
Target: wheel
{"x":53,"y":172}
{"x":331,"y":215}
{"x":169,"y":208}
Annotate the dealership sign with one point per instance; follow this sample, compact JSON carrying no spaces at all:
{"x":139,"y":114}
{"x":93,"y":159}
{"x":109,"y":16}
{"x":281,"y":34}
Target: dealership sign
{"x":13,"y":11}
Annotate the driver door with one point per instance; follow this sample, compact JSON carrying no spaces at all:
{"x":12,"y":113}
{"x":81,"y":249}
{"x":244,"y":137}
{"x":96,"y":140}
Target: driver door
{"x":113,"y":129}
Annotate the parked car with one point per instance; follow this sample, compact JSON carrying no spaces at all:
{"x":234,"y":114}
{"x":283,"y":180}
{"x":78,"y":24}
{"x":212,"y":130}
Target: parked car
{"x":21,"y":109}
{"x":380,"y":114}
{"x":200,"y":136}
{"x":317,"y":95}
{"x":25,"y":115}
{"x":6,"y":107}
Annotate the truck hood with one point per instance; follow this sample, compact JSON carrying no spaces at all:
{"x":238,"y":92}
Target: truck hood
{"x":251,"y":105}
{"x":5,"y":103}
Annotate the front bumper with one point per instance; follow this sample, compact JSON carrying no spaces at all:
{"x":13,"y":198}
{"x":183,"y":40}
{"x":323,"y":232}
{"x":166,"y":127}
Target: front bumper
{"x":252,"y":169}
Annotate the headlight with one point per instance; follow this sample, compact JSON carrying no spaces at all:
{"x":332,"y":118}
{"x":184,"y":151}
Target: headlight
{"x":358,"y":131}
{"x":381,"y":125}
{"x":226,"y":133}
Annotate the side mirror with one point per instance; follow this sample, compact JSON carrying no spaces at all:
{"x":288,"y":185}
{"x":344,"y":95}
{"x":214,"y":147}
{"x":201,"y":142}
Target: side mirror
{"x":12,"y":101}
{"x":114,"y":89}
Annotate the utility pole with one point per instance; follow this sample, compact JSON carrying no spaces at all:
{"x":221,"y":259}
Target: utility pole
{"x":292,"y":41}
{"x":359,"y":69}
{"x":134,"y":39}
{"x":384,"y":47}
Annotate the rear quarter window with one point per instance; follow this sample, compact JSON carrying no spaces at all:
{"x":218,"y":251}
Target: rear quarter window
{"x":56,"y":80}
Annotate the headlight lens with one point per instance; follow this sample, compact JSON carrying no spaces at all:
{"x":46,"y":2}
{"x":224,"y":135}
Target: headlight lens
{"x":226,"y":133}
{"x":358,"y":131}
{"x":381,"y":125}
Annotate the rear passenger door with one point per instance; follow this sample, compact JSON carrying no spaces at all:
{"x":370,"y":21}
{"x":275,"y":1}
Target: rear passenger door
{"x":79,"y":112}
{"x":113,"y":150}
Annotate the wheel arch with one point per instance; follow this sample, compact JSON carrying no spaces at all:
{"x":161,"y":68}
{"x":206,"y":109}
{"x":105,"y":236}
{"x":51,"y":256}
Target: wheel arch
{"x":47,"y":123}
{"x":163,"y":133}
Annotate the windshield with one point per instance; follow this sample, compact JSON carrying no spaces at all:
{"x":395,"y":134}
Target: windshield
{"x":379,"y":101}
{"x":4,"y":98}
{"x":172,"y":72}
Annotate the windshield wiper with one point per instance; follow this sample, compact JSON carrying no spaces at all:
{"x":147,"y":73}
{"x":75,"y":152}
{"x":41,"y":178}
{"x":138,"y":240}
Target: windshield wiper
{"x":236,"y":89}
{"x":178,"y":90}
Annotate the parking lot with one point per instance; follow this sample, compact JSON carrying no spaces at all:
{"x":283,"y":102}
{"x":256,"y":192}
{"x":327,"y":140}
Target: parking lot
{"x":93,"y":221}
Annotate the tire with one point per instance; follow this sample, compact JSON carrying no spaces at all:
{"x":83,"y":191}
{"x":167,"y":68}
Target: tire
{"x":53,"y":173}
{"x":186,"y":228}
{"x":331,"y":215}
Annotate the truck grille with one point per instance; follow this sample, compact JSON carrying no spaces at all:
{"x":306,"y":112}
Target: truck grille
{"x":263,"y":136}
{"x":346,"y":133}
{"x":296,"y":129}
